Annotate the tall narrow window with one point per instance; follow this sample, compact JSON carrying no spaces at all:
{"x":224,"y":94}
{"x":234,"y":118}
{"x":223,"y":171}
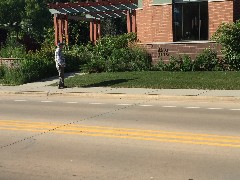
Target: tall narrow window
{"x":191,"y":21}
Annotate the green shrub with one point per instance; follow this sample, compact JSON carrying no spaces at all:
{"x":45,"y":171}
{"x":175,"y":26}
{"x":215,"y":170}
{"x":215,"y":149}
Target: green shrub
{"x":159,"y":66}
{"x":96,"y":65}
{"x":12,"y":49}
{"x":206,"y":61}
{"x":29,"y":70}
{"x":228,"y":35}
{"x":41,"y":64}
{"x":2,"y":71}
{"x":175,"y":64}
{"x":31,"y":67}
{"x":117,"y":61}
{"x":141,"y":59}
{"x":128,"y":59}
{"x":179,"y":63}
{"x":117,"y":53}
{"x":187,"y":63}
{"x":76,"y":57}
{"x":106,"y":45}
{"x":13,"y":76}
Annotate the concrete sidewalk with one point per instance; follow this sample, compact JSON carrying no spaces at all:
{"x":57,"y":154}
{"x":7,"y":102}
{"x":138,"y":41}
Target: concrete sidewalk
{"x":43,"y":88}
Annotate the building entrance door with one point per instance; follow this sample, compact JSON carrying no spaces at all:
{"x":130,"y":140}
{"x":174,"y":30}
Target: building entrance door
{"x":191,"y":21}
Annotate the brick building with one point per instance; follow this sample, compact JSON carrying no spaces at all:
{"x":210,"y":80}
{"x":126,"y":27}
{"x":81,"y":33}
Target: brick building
{"x":163,"y":27}
{"x":169,"y":27}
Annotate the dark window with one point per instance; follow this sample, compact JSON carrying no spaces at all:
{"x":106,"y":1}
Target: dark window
{"x":190,"y":21}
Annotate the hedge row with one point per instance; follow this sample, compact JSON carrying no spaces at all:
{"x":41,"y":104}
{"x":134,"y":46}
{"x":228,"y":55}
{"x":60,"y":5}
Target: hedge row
{"x":118,"y":53}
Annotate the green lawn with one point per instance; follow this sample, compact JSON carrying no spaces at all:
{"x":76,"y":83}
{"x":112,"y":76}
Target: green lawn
{"x":159,"y":80}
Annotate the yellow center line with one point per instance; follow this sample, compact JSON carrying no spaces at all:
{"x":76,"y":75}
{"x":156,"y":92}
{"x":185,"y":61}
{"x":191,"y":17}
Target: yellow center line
{"x":126,"y":133}
{"x":157,"y":139}
{"x":48,"y":125}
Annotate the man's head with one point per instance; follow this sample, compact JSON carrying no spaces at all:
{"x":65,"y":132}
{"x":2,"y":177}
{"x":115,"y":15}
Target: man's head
{"x":60,"y":45}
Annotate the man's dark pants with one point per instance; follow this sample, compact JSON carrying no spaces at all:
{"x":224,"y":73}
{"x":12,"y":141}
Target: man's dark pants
{"x":61,"y":76}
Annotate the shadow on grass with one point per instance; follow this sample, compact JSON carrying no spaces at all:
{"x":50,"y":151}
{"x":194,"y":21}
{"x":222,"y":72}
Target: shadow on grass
{"x":108,"y":83}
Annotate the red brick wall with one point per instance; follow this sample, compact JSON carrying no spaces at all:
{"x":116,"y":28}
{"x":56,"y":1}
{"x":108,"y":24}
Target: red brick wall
{"x":165,"y":50}
{"x":154,"y":23}
{"x":219,"y":12}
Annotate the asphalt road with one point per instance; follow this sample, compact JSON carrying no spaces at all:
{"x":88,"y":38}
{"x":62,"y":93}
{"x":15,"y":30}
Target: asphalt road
{"x":57,"y":137}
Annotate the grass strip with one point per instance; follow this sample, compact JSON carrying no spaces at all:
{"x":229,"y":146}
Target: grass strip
{"x":159,"y":80}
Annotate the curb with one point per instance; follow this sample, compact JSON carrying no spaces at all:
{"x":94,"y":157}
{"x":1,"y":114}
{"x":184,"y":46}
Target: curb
{"x":125,"y":96}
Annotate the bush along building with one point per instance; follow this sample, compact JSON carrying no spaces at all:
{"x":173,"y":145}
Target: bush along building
{"x":164,"y":27}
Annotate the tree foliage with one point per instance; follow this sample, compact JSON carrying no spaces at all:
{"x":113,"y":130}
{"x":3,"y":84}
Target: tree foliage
{"x":31,"y":19}
{"x":228,"y":35}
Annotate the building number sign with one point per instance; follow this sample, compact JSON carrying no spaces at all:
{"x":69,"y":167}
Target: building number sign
{"x":163,"y":52}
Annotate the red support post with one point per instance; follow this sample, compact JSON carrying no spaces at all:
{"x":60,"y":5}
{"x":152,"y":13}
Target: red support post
{"x":66,"y":30}
{"x":129,"y":23}
{"x":56,"y":29}
{"x":133,"y":17}
{"x":99,"y":29}
{"x":91,"y":31}
{"x":60,"y":30}
{"x":95,"y":31}
{"x":63,"y":28}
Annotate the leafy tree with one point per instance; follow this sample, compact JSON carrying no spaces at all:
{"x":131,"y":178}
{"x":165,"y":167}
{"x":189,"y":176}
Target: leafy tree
{"x":228,"y":35}
{"x":11,"y":12}
{"x":24,"y":17}
{"x":30,"y":20}
{"x":36,"y":18}
{"x":112,"y":27}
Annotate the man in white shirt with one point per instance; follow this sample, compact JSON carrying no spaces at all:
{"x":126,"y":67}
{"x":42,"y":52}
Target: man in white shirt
{"x":60,"y":65}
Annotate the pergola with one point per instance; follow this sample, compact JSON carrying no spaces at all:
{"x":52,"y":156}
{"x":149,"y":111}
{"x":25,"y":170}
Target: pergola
{"x":93,"y":12}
